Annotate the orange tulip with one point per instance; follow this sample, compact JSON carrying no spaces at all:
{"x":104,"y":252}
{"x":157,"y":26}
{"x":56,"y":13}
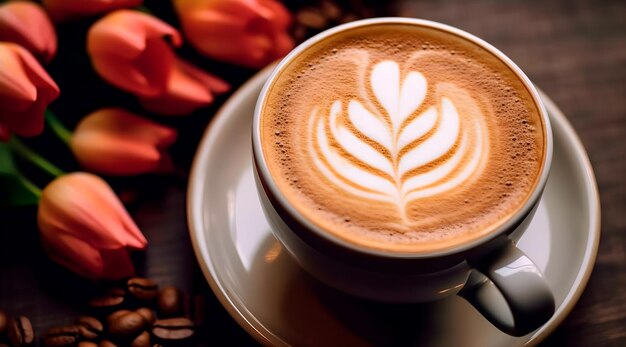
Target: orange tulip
{"x":129,"y":49}
{"x":61,"y":10}
{"x":25,"y":91}
{"x":27,"y":24}
{"x":252,"y":33}
{"x":188,"y":89}
{"x":85,"y":227}
{"x":116,"y":142}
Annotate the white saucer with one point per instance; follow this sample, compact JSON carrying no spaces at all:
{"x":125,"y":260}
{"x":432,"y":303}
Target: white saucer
{"x":279,"y":304}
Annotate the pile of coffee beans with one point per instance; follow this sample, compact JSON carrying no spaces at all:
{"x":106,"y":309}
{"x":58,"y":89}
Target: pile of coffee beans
{"x":134,"y":313}
{"x":324,"y":14}
{"x":15,"y":331}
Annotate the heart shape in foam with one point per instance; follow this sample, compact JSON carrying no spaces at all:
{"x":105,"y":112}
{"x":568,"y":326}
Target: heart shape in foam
{"x":393,"y":148}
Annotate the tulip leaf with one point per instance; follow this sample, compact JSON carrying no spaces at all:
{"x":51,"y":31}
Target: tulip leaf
{"x":15,"y":190}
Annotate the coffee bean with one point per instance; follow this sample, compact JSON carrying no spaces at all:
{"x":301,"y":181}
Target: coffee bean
{"x":126,"y":326}
{"x":61,"y":336}
{"x":3,"y":345}
{"x":20,"y":332}
{"x":170,"y":302}
{"x":147,"y":314}
{"x":115,"y":315}
{"x":4,"y":322}
{"x":90,"y":328}
{"x":87,"y":344}
{"x":173,"y":328}
{"x":143,"y":340}
{"x":107,"y":343}
{"x":114,"y":297}
{"x":142,"y":288}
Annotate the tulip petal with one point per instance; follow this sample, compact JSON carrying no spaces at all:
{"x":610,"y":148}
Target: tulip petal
{"x":247,"y":32}
{"x":117,"y":264}
{"x":84,"y":206}
{"x":73,"y":253}
{"x":25,"y":90}
{"x":27,"y":24}
{"x":128,"y":50}
{"x":117,"y":142}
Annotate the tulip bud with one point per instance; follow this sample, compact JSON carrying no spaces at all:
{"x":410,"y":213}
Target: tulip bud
{"x":85,"y":227}
{"x":27,"y":24}
{"x":25,"y":91}
{"x":129,"y":50}
{"x":188,"y":89}
{"x":61,"y":10}
{"x":116,"y":142}
{"x":251,"y":33}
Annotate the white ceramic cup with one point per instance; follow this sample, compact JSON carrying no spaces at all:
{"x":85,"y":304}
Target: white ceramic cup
{"x":497,"y":278}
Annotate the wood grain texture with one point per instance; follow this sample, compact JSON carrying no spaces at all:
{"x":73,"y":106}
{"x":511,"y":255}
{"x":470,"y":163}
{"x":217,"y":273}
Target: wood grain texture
{"x":574,"y":50}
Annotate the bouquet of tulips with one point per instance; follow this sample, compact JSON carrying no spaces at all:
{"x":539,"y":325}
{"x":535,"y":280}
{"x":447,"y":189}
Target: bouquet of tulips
{"x":83,"y":224}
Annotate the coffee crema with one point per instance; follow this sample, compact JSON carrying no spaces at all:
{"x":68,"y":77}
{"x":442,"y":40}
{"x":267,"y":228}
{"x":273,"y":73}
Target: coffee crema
{"x":402,"y":138}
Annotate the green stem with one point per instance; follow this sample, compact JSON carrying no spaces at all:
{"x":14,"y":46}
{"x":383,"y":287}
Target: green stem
{"x":58,"y":128}
{"x":20,"y":148}
{"x":29,"y":185}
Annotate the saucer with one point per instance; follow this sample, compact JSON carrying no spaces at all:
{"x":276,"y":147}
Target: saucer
{"x":277,"y":303}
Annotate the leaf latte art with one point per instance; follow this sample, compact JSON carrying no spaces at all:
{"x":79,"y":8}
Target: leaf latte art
{"x":390,"y":145}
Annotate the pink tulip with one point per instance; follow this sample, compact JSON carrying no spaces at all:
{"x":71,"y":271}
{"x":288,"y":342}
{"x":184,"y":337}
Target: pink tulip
{"x":85,"y":227}
{"x":252,"y":33}
{"x":188,"y":89}
{"x":129,"y":49}
{"x":27,"y":24}
{"x":25,"y":91}
{"x":62,"y":10}
{"x":116,"y":142}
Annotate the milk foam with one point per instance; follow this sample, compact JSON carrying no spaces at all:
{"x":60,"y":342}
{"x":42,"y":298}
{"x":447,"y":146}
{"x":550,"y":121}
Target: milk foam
{"x":397,"y":168}
{"x":402,"y":139}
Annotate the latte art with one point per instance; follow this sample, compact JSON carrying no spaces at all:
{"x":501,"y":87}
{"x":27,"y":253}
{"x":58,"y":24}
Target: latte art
{"x":401,"y":138}
{"x":390,"y":152}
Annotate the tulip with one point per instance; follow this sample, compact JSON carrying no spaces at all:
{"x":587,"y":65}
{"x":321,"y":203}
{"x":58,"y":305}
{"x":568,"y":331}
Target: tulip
{"x":188,"y":89}
{"x":85,"y":227}
{"x":116,"y":142}
{"x":129,"y":49}
{"x":61,"y":10}
{"x":27,"y":24}
{"x":25,"y":91}
{"x":251,"y":33}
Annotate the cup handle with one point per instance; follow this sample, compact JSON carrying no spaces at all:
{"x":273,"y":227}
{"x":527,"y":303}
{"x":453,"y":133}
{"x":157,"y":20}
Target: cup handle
{"x":525,"y":301}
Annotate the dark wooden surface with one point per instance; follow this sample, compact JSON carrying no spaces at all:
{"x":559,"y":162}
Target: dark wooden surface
{"x":574,"y":50}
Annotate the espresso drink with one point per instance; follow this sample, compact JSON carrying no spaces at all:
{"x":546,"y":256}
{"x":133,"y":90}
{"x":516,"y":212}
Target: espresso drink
{"x":402,"y":138}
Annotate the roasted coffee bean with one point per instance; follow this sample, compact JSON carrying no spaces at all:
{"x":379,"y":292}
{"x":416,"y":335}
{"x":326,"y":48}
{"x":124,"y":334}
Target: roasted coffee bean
{"x":107,"y":343}
{"x":114,"y":297}
{"x":147,"y":314}
{"x":173,"y":329}
{"x":87,"y":344}
{"x":90,"y":328}
{"x":4,"y":322}
{"x":126,"y":326}
{"x":20,"y":332}
{"x":63,"y":336}
{"x":170,"y":302}
{"x":115,"y":315}
{"x":143,"y":340}
{"x":142,"y":288}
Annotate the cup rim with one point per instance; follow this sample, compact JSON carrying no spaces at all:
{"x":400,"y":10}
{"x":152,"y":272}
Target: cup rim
{"x":509,"y":225}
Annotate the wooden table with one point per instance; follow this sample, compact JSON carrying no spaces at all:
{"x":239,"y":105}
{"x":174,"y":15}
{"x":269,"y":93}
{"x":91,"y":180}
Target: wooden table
{"x":574,"y":50}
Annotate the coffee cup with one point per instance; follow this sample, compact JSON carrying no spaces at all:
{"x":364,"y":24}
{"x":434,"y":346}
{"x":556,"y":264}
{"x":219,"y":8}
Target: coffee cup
{"x":400,"y":160}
